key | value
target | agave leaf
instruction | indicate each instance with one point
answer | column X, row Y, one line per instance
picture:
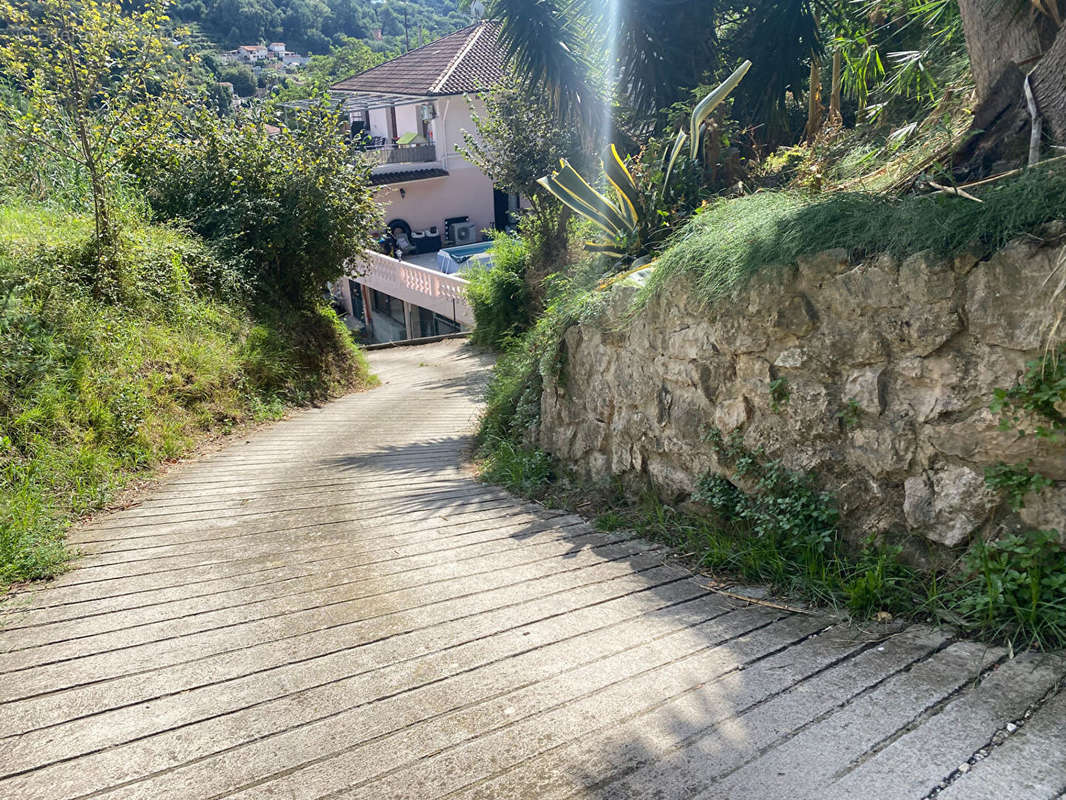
column 579, row 205
column 571, row 180
column 712, row 101
column 625, row 187
column 675, row 152
column 604, row 248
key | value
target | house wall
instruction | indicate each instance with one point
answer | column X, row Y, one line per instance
column 465, row 192
column 379, row 122
column 407, row 120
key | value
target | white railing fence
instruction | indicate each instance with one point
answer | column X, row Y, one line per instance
column 444, row 294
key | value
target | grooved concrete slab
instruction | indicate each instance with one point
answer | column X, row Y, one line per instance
column 335, row 608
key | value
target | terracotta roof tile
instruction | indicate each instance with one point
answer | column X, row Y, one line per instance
column 466, row 61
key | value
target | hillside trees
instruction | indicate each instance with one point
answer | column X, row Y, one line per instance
column 95, row 86
column 314, row 25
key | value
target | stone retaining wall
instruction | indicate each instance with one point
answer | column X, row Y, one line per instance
column 889, row 368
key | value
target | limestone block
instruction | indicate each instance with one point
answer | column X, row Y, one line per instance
column 792, row 358
column 866, row 288
column 1046, row 510
column 926, row 279
column 881, row 451
column 923, row 329
column 1007, row 300
column 918, row 501
column 834, row 262
column 947, row 505
column 734, row 334
column 860, row 344
column 865, row 388
column 796, row 317
column 961, row 504
column 732, row 414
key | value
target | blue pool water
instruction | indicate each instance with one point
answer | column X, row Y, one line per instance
column 464, row 251
column 452, row 260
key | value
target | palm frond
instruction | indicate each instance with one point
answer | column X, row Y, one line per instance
column 544, row 42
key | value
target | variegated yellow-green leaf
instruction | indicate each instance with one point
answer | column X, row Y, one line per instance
column 712, row 101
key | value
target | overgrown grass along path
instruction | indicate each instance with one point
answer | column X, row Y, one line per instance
column 335, row 608
column 112, row 363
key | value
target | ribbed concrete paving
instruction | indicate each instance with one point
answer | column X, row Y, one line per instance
column 333, row 608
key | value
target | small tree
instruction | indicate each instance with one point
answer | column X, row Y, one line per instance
column 517, row 139
column 97, row 85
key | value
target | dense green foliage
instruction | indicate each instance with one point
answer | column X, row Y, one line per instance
column 124, row 343
column 95, row 389
column 499, row 296
column 292, row 208
column 313, row 25
column 732, row 240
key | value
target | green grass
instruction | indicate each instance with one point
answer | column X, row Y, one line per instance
column 111, row 365
column 785, row 534
column 732, row 240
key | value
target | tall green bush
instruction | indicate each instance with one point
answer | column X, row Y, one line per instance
column 96, row 389
column 499, row 295
column 291, row 205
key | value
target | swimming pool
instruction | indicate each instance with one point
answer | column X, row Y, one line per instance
column 464, row 251
column 453, row 259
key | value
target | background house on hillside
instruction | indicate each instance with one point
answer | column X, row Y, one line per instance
column 409, row 114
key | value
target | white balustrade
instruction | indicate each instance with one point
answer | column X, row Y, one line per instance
column 428, row 288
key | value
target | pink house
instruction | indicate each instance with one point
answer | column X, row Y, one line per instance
column 413, row 110
column 409, row 114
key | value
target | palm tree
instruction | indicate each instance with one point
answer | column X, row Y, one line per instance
column 656, row 51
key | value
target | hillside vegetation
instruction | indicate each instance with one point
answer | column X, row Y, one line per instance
column 313, row 25
column 100, row 383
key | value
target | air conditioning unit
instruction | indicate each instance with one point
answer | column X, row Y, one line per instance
column 427, row 112
column 465, row 232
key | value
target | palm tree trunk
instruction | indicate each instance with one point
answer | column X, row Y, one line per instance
column 814, row 99
column 1008, row 40
column 834, row 92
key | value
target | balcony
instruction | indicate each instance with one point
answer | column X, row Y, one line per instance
column 383, row 155
column 427, row 288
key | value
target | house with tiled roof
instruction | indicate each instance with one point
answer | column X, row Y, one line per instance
column 412, row 111
column 408, row 115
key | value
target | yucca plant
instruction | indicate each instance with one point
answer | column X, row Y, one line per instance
column 628, row 223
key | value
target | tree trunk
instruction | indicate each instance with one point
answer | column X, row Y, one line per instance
column 814, row 99
column 835, row 118
column 1007, row 40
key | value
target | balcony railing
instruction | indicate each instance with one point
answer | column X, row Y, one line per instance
column 444, row 294
column 408, row 154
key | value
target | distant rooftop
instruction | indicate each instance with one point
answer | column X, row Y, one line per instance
column 468, row 60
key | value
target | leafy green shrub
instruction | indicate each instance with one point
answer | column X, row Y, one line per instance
column 1015, row 481
column 783, row 506
column 292, row 208
column 499, row 295
column 1017, row 588
column 524, row 471
column 512, row 398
